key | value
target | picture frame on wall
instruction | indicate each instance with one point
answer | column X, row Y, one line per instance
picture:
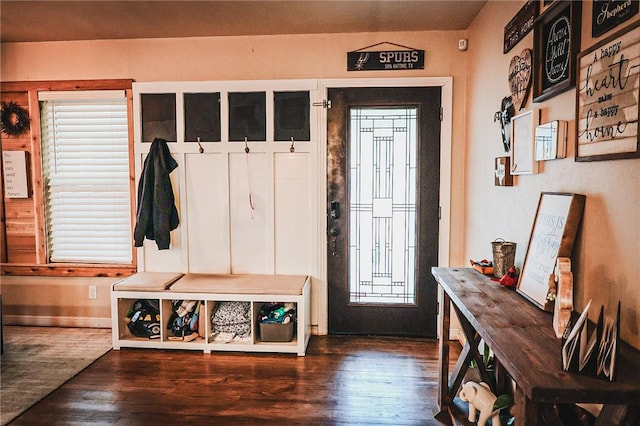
column 551, row 140
column 607, row 98
column 546, row 4
column 523, row 127
column 556, row 43
column 608, row 14
column 553, row 233
column 502, row 172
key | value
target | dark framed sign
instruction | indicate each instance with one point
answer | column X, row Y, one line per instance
column 607, row 98
column 608, row 14
column 520, row 25
column 556, row 42
column 388, row 60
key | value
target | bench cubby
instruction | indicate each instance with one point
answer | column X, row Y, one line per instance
column 211, row 290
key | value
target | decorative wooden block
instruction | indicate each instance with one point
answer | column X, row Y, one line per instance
column 502, row 172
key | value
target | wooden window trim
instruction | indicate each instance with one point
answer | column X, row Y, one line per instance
column 68, row 270
column 42, row 267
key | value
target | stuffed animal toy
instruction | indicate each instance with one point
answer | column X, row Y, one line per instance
column 480, row 398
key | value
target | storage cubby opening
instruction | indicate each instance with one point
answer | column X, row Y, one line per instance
column 139, row 319
column 230, row 322
column 183, row 320
column 276, row 322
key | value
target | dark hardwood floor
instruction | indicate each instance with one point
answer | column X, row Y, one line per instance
column 343, row 380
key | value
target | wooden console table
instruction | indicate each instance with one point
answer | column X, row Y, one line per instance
column 525, row 347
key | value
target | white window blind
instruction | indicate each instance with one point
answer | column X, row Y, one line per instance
column 85, row 161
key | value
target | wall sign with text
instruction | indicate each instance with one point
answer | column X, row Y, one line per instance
column 607, row 98
column 520, row 25
column 385, row 60
column 556, row 45
column 14, row 167
column 553, row 233
column 520, row 70
column 608, row 14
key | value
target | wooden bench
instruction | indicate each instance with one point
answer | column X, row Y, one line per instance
column 526, row 349
column 211, row 289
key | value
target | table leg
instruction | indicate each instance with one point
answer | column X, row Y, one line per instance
column 501, row 377
column 1, row 326
column 444, row 400
column 471, row 354
column 467, row 354
column 524, row 410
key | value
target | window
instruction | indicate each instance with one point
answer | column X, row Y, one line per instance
column 86, row 177
column 383, row 206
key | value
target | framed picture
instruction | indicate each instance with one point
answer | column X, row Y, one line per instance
column 551, row 140
column 556, row 42
column 608, row 14
column 546, row 4
column 523, row 129
column 552, row 235
column 607, row 98
column 502, row 172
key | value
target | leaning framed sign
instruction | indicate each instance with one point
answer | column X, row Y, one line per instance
column 556, row 43
column 607, row 98
column 553, row 233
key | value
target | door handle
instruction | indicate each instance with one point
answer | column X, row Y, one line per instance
column 334, row 232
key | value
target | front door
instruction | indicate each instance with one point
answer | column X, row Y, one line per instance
column 383, row 197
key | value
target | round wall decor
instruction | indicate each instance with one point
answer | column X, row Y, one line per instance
column 14, row 119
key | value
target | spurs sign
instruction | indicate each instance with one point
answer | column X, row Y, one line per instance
column 385, row 60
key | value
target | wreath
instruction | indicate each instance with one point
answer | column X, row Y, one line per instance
column 14, row 119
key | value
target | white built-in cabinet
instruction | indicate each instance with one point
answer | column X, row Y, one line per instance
column 224, row 230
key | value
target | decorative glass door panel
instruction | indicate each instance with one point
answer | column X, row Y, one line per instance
column 382, row 212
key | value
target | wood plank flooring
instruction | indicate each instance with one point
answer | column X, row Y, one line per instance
column 343, row 380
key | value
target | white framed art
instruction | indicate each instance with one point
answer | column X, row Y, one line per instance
column 523, row 127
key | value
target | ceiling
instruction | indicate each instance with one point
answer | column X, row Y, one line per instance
column 35, row 21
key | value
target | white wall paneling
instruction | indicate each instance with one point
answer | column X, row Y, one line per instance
column 219, row 232
column 207, row 222
column 251, row 228
column 293, row 213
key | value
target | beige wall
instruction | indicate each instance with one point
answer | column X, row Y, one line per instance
column 56, row 301
column 606, row 253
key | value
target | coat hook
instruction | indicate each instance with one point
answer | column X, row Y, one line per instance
column 246, row 147
column 292, row 148
column 200, row 148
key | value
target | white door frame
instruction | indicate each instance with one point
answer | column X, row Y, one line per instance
column 320, row 291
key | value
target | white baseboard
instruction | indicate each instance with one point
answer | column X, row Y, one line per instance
column 51, row 321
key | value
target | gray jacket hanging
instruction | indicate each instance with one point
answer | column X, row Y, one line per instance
column 156, row 215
